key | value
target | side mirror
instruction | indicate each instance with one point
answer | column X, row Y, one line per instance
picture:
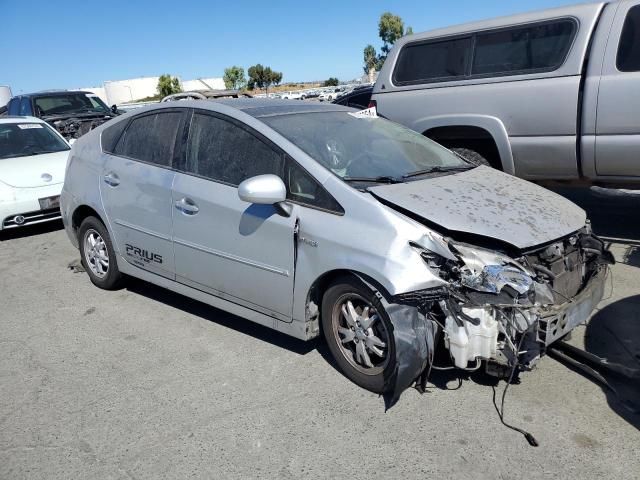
column 263, row 189
column 114, row 108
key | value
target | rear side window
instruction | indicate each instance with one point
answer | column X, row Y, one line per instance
column 628, row 58
column 25, row 107
column 523, row 49
column 224, row 151
column 150, row 138
column 430, row 61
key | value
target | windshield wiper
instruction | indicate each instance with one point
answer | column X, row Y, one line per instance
column 380, row 179
column 438, row 169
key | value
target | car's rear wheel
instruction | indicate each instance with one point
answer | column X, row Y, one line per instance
column 97, row 254
column 358, row 333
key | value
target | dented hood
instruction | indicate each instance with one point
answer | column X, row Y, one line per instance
column 484, row 201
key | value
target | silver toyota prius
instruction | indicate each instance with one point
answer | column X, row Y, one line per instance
column 316, row 219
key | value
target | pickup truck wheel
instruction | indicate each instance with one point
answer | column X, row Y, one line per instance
column 97, row 254
column 471, row 155
column 358, row 333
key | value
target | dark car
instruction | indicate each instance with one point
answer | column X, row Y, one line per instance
column 72, row 113
column 358, row 98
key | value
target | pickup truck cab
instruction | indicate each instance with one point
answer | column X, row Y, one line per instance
column 549, row 95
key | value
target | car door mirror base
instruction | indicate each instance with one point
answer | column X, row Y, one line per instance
column 283, row 208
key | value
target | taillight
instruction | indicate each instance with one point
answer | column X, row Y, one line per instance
column 373, row 104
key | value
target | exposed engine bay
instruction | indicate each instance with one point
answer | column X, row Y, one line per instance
column 503, row 310
column 75, row 127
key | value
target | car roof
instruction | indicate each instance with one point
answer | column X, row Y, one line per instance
column 18, row 119
column 268, row 107
column 52, row 93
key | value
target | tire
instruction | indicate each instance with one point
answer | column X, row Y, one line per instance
column 472, row 156
column 93, row 231
column 378, row 335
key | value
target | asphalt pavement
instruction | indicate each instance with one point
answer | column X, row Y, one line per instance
column 142, row 383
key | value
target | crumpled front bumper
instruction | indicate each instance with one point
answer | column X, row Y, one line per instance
column 556, row 321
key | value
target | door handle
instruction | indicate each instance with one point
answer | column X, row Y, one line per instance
column 187, row 206
column 111, row 179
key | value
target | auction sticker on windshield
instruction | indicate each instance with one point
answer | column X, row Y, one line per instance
column 366, row 113
column 26, row 126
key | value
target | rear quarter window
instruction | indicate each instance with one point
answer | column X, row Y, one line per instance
column 111, row 135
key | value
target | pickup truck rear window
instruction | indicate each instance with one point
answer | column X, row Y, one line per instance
column 628, row 58
column 433, row 61
column 523, row 49
column 537, row 47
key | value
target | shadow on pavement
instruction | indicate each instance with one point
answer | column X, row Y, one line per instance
column 220, row 317
column 31, row 230
column 614, row 333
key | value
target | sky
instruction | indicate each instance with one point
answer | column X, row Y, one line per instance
column 49, row 44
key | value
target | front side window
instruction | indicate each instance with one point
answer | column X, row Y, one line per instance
column 223, row 151
column 522, row 49
column 24, row 139
column 423, row 62
column 304, row 189
column 150, row 138
column 628, row 58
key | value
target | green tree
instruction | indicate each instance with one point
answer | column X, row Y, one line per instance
column 371, row 61
column 331, row 82
column 390, row 29
column 276, row 77
column 168, row 85
column 262, row 77
column 234, row 78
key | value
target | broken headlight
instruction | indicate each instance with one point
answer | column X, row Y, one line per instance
column 491, row 272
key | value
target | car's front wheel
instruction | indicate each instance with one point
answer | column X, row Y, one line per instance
column 97, row 254
column 358, row 333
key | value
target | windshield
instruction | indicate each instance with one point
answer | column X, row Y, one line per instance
column 69, row 103
column 23, row 139
column 365, row 149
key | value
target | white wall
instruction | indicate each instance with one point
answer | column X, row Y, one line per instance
column 214, row 83
column 5, row 95
column 122, row 91
column 99, row 91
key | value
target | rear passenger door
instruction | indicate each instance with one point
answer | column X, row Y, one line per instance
column 135, row 185
column 618, row 113
column 224, row 246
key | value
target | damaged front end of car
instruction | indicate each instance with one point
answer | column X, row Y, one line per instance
column 504, row 310
column 73, row 127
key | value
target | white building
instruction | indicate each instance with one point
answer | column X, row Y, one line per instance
column 125, row 91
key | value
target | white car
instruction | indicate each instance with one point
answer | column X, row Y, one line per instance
column 330, row 95
column 33, row 157
column 293, row 95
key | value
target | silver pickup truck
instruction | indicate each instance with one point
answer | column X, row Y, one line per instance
column 549, row 95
